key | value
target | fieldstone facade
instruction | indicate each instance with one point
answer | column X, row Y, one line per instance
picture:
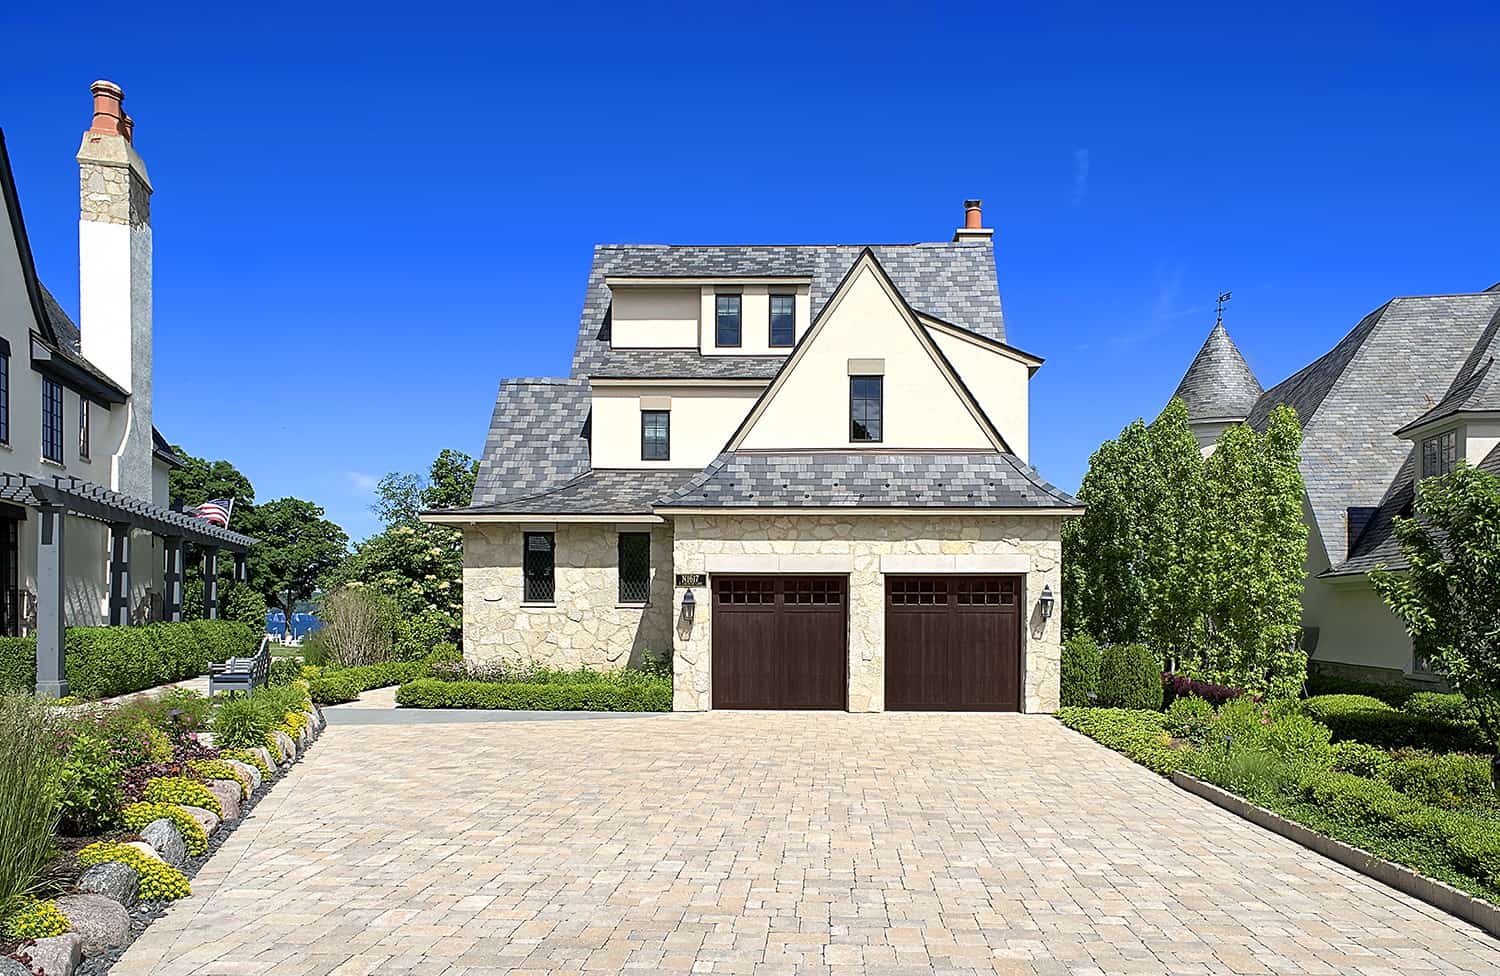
column 586, row 625
column 1033, row 541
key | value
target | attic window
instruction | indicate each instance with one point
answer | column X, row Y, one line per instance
column 866, row 409
column 727, row 320
column 1439, row 454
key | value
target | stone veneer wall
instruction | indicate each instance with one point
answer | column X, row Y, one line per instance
column 864, row 539
column 585, row 626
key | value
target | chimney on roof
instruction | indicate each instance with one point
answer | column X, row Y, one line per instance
column 973, row 228
column 114, row 271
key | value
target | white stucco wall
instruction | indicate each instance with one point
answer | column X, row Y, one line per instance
column 755, row 318
column 702, row 419
column 811, row 407
column 1480, row 437
column 999, row 382
column 654, row 318
column 861, row 542
column 1355, row 627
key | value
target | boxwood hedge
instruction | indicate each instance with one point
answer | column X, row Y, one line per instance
column 101, row 662
column 582, row 696
column 1362, row 718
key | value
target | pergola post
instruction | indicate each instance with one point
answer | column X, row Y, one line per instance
column 241, row 573
column 211, row 583
column 172, row 609
column 119, row 574
column 51, row 677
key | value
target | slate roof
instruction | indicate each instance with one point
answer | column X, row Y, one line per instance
column 538, row 439
column 1219, row 384
column 862, row 479
column 952, row 281
column 598, row 492
column 1395, row 365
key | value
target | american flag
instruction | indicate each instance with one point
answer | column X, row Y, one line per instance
column 215, row 510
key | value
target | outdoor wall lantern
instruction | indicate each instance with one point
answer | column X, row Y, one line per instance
column 689, row 603
column 1047, row 602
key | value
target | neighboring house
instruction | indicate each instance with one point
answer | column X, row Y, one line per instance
column 800, row 469
column 86, row 533
column 1410, row 391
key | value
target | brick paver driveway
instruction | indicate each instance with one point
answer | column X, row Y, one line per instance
column 760, row 843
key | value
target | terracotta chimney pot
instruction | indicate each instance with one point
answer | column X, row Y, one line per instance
column 973, row 214
column 109, row 117
column 127, row 128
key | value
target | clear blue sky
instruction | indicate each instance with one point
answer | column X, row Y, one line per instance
column 364, row 219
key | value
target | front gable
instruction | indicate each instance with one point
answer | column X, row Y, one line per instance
column 867, row 328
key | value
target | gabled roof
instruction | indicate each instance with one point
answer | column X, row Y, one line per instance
column 606, row 492
column 538, row 439
column 864, row 479
column 952, row 281
column 1219, row 385
column 1398, row 362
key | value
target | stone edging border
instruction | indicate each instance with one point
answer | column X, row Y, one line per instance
column 1461, row 905
column 63, row 955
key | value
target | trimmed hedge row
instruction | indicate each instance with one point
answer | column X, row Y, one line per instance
column 101, row 662
column 1138, row 733
column 335, row 686
column 1370, row 720
column 582, row 696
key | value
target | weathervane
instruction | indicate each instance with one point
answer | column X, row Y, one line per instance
column 1224, row 297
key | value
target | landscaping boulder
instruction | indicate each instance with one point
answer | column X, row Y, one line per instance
column 248, row 771
column 288, row 747
column 101, row 922
column 315, row 719
column 207, row 819
column 146, row 848
column 206, row 738
column 113, row 880
column 166, row 840
column 227, row 792
column 265, row 757
column 58, row 955
column 13, row 967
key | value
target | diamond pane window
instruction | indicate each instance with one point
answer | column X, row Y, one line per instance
column 635, row 567
column 865, row 408
column 538, row 566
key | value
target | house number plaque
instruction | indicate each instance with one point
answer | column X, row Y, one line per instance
column 691, row 579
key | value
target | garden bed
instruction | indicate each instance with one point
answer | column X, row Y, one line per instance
column 453, row 685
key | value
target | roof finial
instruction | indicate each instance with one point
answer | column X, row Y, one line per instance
column 1224, row 297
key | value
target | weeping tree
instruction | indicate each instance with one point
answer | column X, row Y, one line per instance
column 1449, row 599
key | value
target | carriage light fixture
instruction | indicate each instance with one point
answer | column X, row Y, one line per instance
column 689, row 602
column 1047, row 602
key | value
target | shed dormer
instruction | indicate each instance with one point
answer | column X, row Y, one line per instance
column 1465, row 424
column 731, row 316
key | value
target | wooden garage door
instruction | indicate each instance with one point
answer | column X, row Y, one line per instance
column 953, row 642
column 779, row 641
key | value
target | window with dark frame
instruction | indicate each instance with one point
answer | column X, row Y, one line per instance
column 783, row 321
column 1439, row 454
column 83, row 428
column 539, row 567
column 52, row 420
column 727, row 320
column 635, row 567
column 865, row 411
column 5, row 399
column 656, row 435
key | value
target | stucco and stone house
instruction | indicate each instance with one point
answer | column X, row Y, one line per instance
column 1405, row 395
column 800, row 469
column 87, row 534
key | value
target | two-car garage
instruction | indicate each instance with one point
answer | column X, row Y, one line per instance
column 951, row 642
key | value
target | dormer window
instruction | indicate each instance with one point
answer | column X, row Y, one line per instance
column 783, row 321
column 727, row 321
column 1439, row 454
column 865, row 408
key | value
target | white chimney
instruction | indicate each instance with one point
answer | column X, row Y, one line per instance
column 114, row 269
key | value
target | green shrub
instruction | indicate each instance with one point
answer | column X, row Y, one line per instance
column 358, row 624
column 1139, row 734
column 241, row 723
column 89, row 785
column 242, row 604
column 159, row 881
column 137, row 815
column 1080, row 670
column 29, row 800
column 183, row 791
column 35, row 919
column 181, row 651
column 1393, row 695
column 1450, row 781
column 1360, row 759
column 1443, row 707
column 1130, row 677
column 315, row 648
column 596, row 696
column 285, row 670
column 334, row 686
column 1367, row 719
column 102, row 662
column 417, row 634
column 17, row 664
column 1190, row 717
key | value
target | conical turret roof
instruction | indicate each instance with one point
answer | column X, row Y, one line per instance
column 1219, row 384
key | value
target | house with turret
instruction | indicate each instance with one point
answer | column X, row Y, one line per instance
column 1409, row 392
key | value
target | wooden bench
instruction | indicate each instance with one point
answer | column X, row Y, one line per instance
column 241, row 673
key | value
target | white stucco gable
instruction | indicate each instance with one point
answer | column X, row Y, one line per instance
column 867, row 328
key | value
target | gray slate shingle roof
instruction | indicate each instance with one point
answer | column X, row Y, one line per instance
column 596, row 493
column 868, row 480
column 953, row 281
column 1219, row 384
column 538, row 439
column 1397, row 363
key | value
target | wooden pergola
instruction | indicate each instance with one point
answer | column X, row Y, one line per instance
column 58, row 496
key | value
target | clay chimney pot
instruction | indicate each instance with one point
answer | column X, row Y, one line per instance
column 973, row 214
column 108, row 115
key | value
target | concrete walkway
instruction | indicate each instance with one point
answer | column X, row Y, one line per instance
column 769, row 843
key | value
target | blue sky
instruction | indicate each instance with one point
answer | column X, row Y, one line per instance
column 364, row 219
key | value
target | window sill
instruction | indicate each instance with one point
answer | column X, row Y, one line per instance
column 54, row 464
column 632, row 606
column 525, row 605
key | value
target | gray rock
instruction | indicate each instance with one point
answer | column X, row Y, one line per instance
column 206, row 738
column 113, row 879
column 166, row 841
column 288, row 747
column 58, row 955
column 146, row 849
column 227, row 792
column 315, row 719
column 265, row 757
column 248, row 771
column 13, row 967
column 207, row 819
column 101, row 922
